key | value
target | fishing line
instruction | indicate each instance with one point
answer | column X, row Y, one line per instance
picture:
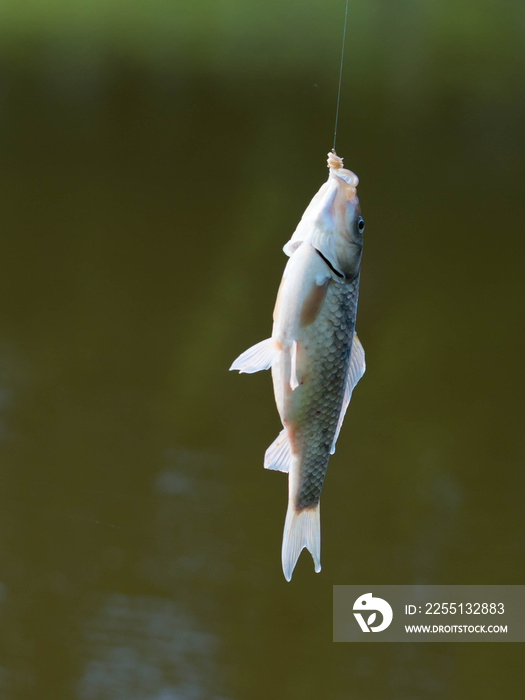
column 340, row 77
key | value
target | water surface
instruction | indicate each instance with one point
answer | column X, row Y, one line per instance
column 145, row 203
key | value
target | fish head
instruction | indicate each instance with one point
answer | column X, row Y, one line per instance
column 345, row 220
column 332, row 222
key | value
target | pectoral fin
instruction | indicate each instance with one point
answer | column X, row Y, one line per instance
column 294, row 382
column 356, row 370
column 256, row 358
column 314, row 300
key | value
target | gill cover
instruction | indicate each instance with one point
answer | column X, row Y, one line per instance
column 329, row 223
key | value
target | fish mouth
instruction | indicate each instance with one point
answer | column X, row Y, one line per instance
column 335, row 163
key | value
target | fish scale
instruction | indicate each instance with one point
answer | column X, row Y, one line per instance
column 322, row 397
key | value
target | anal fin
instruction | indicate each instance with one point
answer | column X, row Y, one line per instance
column 279, row 455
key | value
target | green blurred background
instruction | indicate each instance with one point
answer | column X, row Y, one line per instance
column 155, row 158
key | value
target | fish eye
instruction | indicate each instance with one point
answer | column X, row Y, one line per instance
column 360, row 224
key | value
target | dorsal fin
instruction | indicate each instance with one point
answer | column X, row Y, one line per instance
column 356, row 369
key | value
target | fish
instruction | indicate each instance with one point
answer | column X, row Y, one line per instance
column 315, row 356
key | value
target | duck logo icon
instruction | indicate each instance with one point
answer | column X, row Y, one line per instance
column 373, row 605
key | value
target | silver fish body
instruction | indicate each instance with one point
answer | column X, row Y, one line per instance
column 311, row 410
column 314, row 354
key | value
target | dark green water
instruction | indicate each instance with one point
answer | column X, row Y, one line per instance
column 144, row 208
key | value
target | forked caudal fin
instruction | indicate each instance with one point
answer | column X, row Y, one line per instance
column 301, row 529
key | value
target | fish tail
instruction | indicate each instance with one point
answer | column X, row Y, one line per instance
column 302, row 528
